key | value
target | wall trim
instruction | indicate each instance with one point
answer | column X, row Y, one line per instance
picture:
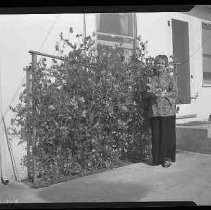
column 186, row 116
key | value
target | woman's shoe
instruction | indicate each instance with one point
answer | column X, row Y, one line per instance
column 166, row 163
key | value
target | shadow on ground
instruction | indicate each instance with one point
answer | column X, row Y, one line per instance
column 99, row 191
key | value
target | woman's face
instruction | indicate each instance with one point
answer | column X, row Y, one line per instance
column 160, row 65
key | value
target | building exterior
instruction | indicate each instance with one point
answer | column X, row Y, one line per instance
column 186, row 35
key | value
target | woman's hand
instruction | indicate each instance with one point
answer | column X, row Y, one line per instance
column 156, row 91
column 161, row 94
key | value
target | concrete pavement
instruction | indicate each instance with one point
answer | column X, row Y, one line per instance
column 16, row 192
column 189, row 179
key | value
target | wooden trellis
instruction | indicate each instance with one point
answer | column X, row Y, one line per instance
column 30, row 90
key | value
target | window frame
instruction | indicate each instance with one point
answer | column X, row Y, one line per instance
column 206, row 23
column 113, row 43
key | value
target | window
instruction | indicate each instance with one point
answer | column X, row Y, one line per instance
column 206, row 45
column 115, row 28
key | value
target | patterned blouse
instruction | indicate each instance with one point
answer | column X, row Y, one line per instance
column 162, row 105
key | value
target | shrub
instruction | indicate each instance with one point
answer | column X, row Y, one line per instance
column 90, row 114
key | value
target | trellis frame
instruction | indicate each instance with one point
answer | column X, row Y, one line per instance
column 30, row 89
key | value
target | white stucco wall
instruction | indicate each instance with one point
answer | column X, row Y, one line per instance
column 203, row 103
column 153, row 27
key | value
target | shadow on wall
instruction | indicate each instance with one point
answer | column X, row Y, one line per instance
column 18, row 152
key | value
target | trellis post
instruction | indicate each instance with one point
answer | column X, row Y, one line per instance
column 30, row 92
column 34, row 68
column 28, row 105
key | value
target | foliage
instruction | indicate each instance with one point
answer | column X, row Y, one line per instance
column 89, row 114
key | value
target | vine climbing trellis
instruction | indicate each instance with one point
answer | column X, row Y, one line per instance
column 31, row 137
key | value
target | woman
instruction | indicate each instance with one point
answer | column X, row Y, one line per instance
column 161, row 94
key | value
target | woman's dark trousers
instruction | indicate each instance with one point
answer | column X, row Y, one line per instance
column 163, row 139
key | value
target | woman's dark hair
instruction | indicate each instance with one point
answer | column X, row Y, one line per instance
column 163, row 57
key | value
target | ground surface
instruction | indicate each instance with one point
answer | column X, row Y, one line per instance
column 18, row 193
column 189, row 179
